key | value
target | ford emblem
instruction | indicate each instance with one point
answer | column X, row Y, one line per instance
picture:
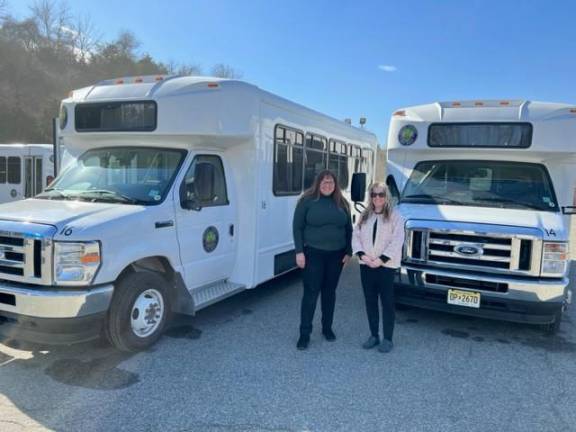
column 468, row 250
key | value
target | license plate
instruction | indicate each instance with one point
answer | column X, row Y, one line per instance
column 464, row 298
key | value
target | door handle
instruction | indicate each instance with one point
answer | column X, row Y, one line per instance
column 231, row 230
column 164, row 224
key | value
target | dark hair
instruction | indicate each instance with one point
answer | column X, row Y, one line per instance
column 314, row 190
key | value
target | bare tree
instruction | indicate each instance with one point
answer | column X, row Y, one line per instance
column 86, row 38
column 222, row 70
column 127, row 43
column 189, row 69
column 53, row 21
column 171, row 67
column 3, row 10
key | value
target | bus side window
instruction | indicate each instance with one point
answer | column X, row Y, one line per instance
column 2, row 169
column 315, row 157
column 14, row 170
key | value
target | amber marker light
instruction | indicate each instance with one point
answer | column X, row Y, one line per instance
column 92, row 258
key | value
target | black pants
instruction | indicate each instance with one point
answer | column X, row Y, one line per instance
column 320, row 275
column 376, row 283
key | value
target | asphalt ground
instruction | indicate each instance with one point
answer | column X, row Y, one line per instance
column 234, row 367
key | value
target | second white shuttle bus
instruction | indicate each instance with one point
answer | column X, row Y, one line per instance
column 486, row 187
column 25, row 170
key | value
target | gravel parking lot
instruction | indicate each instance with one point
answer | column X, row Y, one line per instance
column 234, row 367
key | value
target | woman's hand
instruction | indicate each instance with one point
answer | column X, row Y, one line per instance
column 367, row 259
column 377, row 262
column 301, row 260
column 346, row 259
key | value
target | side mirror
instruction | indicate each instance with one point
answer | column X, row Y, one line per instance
column 191, row 204
column 393, row 188
column 187, row 199
column 358, row 188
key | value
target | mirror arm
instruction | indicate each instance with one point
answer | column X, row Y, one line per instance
column 359, row 207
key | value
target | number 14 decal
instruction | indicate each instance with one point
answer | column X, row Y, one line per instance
column 550, row 232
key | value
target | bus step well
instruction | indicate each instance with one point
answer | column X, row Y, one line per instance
column 211, row 293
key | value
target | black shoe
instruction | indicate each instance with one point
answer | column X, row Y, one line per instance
column 371, row 342
column 303, row 342
column 386, row 346
column 329, row 335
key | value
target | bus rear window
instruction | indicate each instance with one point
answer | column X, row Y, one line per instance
column 116, row 117
column 494, row 135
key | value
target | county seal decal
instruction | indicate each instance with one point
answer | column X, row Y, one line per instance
column 407, row 135
column 210, row 239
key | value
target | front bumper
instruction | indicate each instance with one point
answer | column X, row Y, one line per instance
column 532, row 301
column 52, row 315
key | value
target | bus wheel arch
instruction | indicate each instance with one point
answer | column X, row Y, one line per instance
column 141, row 306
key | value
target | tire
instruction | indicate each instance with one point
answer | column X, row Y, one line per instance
column 139, row 312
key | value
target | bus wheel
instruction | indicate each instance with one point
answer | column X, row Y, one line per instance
column 139, row 311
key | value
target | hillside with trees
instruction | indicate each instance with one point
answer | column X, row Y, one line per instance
column 52, row 51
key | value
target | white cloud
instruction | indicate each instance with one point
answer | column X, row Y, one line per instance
column 388, row 68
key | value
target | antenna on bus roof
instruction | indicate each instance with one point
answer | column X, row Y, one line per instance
column 362, row 121
column 348, row 121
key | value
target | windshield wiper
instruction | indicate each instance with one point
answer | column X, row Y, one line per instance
column 47, row 194
column 105, row 194
column 428, row 197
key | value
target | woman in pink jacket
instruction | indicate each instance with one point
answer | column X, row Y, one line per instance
column 377, row 241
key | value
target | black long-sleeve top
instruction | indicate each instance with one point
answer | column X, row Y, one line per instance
column 321, row 224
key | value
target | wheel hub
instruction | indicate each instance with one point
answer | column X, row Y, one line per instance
column 147, row 313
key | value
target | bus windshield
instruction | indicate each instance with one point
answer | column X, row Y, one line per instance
column 481, row 183
column 129, row 175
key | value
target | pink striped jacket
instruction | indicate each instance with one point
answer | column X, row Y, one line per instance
column 389, row 238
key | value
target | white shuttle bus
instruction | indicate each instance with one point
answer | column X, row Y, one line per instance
column 176, row 192
column 486, row 187
column 25, row 170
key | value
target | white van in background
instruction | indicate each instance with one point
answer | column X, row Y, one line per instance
column 176, row 192
column 25, row 170
column 486, row 190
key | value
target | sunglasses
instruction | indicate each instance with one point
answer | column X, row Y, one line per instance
column 378, row 194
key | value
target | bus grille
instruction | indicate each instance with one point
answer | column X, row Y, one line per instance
column 22, row 260
column 491, row 253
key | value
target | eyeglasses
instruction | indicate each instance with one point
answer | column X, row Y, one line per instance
column 378, row 194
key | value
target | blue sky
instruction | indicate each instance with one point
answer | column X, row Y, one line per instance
column 353, row 59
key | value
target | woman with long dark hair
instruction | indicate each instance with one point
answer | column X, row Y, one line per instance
column 377, row 241
column 322, row 235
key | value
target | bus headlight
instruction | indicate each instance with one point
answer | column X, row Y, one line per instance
column 554, row 259
column 76, row 263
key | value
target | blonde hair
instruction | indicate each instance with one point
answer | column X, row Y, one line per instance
column 369, row 211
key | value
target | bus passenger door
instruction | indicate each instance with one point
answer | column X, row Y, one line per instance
column 33, row 167
column 206, row 222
